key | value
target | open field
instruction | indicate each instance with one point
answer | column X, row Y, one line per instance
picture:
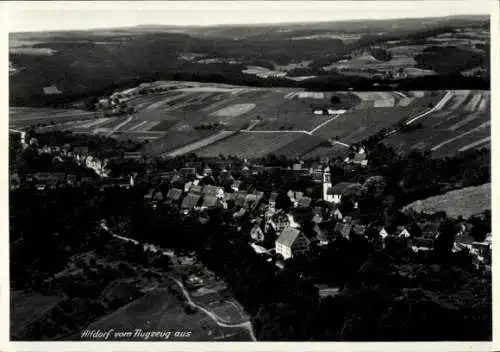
column 462, row 123
column 191, row 117
column 161, row 310
column 26, row 307
column 464, row 202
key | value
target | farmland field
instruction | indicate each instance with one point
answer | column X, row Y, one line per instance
column 453, row 121
column 463, row 202
column 249, row 145
column 23, row 117
column 462, row 123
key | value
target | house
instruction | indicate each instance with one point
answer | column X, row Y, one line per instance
column 149, row 196
column 294, row 196
column 292, row 242
column 317, row 219
column 337, row 214
column 319, row 235
column 396, row 231
column 304, row 202
column 359, row 229
column 256, row 233
column 236, row 185
column 327, row 291
column 359, row 158
column 195, row 188
column 343, row 228
column 187, row 171
column 190, row 201
column 239, row 214
column 340, row 189
column 281, row 220
column 251, row 202
column 209, row 202
column 240, row 198
column 214, row 191
column 429, row 229
column 272, row 200
column 207, row 171
column 174, row 195
column 395, row 241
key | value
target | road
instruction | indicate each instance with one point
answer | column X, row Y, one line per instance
column 322, row 124
column 438, row 106
column 219, row 321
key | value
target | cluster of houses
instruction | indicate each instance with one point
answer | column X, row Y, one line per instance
column 282, row 233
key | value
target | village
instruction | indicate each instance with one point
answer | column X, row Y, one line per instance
column 279, row 225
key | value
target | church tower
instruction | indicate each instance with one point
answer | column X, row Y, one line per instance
column 327, row 184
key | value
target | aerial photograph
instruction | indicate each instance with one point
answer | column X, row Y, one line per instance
column 238, row 171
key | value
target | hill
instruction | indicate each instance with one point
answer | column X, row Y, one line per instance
column 81, row 64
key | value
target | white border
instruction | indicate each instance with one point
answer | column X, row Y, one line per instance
column 228, row 346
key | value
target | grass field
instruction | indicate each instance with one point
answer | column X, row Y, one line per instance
column 463, row 202
column 161, row 310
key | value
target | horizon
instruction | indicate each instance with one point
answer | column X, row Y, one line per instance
column 83, row 16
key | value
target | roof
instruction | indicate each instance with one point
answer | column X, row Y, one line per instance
column 343, row 228
column 188, row 171
column 288, row 236
column 429, row 229
column 273, row 196
column 158, row 196
column 209, row 201
column 174, row 194
column 251, row 201
column 304, row 202
column 344, row 187
column 240, row 198
column 359, row 157
column 211, row 190
column 236, row 183
column 195, row 189
column 190, row 201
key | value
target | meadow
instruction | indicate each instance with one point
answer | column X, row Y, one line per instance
column 464, row 202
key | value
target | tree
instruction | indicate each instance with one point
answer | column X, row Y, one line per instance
column 283, row 201
column 335, row 100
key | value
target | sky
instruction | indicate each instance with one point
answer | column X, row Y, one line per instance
column 75, row 15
